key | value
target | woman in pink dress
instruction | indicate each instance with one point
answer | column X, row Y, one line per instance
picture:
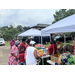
column 12, row 42
column 14, row 54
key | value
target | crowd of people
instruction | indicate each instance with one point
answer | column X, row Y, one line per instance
column 67, row 57
column 25, row 53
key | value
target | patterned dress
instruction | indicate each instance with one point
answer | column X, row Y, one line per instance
column 12, row 43
column 11, row 59
column 67, row 59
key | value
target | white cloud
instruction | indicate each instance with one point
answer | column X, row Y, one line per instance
column 26, row 17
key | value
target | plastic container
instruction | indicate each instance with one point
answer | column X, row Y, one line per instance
column 56, row 63
column 46, row 52
column 43, row 48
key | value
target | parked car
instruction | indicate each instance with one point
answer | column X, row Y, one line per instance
column 2, row 42
column 45, row 39
column 61, row 38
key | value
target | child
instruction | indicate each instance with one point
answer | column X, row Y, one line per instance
column 21, row 58
column 74, row 46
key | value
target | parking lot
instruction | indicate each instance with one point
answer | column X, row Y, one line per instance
column 4, row 53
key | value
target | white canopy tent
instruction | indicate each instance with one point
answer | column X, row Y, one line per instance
column 32, row 32
column 65, row 25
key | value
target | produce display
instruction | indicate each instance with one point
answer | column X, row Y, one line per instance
column 39, row 45
column 55, row 57
column 40, row 52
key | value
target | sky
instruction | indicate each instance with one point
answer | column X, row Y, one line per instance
column 26, row 17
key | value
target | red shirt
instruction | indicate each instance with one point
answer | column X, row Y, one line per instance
column 21, row 57
column 74, row 49
column 51, row 48
column 22, row 46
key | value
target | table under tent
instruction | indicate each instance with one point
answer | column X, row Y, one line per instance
column 63, row 26
column 34, row 32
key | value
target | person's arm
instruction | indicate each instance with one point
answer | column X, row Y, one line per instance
column 14, row 56
column 59, row 60
column 36, row 54
column 54, row 48
column 53, row 52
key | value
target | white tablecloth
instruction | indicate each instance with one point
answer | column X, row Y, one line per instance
column 45, row 56
column 50, row 62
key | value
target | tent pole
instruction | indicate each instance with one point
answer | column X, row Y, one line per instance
column 64, row 39
column 42, row 50
column 22, row 37
column 50, row 37
column 39, row 39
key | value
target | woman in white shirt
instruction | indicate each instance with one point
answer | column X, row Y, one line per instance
column 31, row 57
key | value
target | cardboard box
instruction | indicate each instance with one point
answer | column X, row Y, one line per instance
column 55, row 58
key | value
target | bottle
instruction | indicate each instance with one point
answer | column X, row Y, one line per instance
column 43, row 48
column 46, row 51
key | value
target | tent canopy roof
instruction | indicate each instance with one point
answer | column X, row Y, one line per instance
column 61, row 26
column 32, row 32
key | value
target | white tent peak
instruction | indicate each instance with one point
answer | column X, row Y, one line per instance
column 68, row 21
column 32, row 32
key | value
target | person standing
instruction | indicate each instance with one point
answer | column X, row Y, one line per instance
column 21, row 58
column 52, row 48
column 22, row 45
column 14, row 54
column 67, row 57
column 12, row 42
column 31, row 54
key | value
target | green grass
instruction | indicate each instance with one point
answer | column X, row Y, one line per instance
column 7, row 43
column 71, row 43
column 47, row 45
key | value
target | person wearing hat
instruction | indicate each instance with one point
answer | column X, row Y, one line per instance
column 14, row 54
column 31, row 54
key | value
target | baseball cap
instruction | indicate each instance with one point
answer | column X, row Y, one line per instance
column 32, row 42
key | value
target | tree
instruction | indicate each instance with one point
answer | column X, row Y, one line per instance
column 9, row 34
column 26, row 28
column 1, row 33
column 62, row 13
column 20, row 28
column 10, row 27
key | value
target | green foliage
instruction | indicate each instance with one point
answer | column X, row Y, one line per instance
column 20, row 28
column 8, row 33
column 62, row 13
column 26, row 28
